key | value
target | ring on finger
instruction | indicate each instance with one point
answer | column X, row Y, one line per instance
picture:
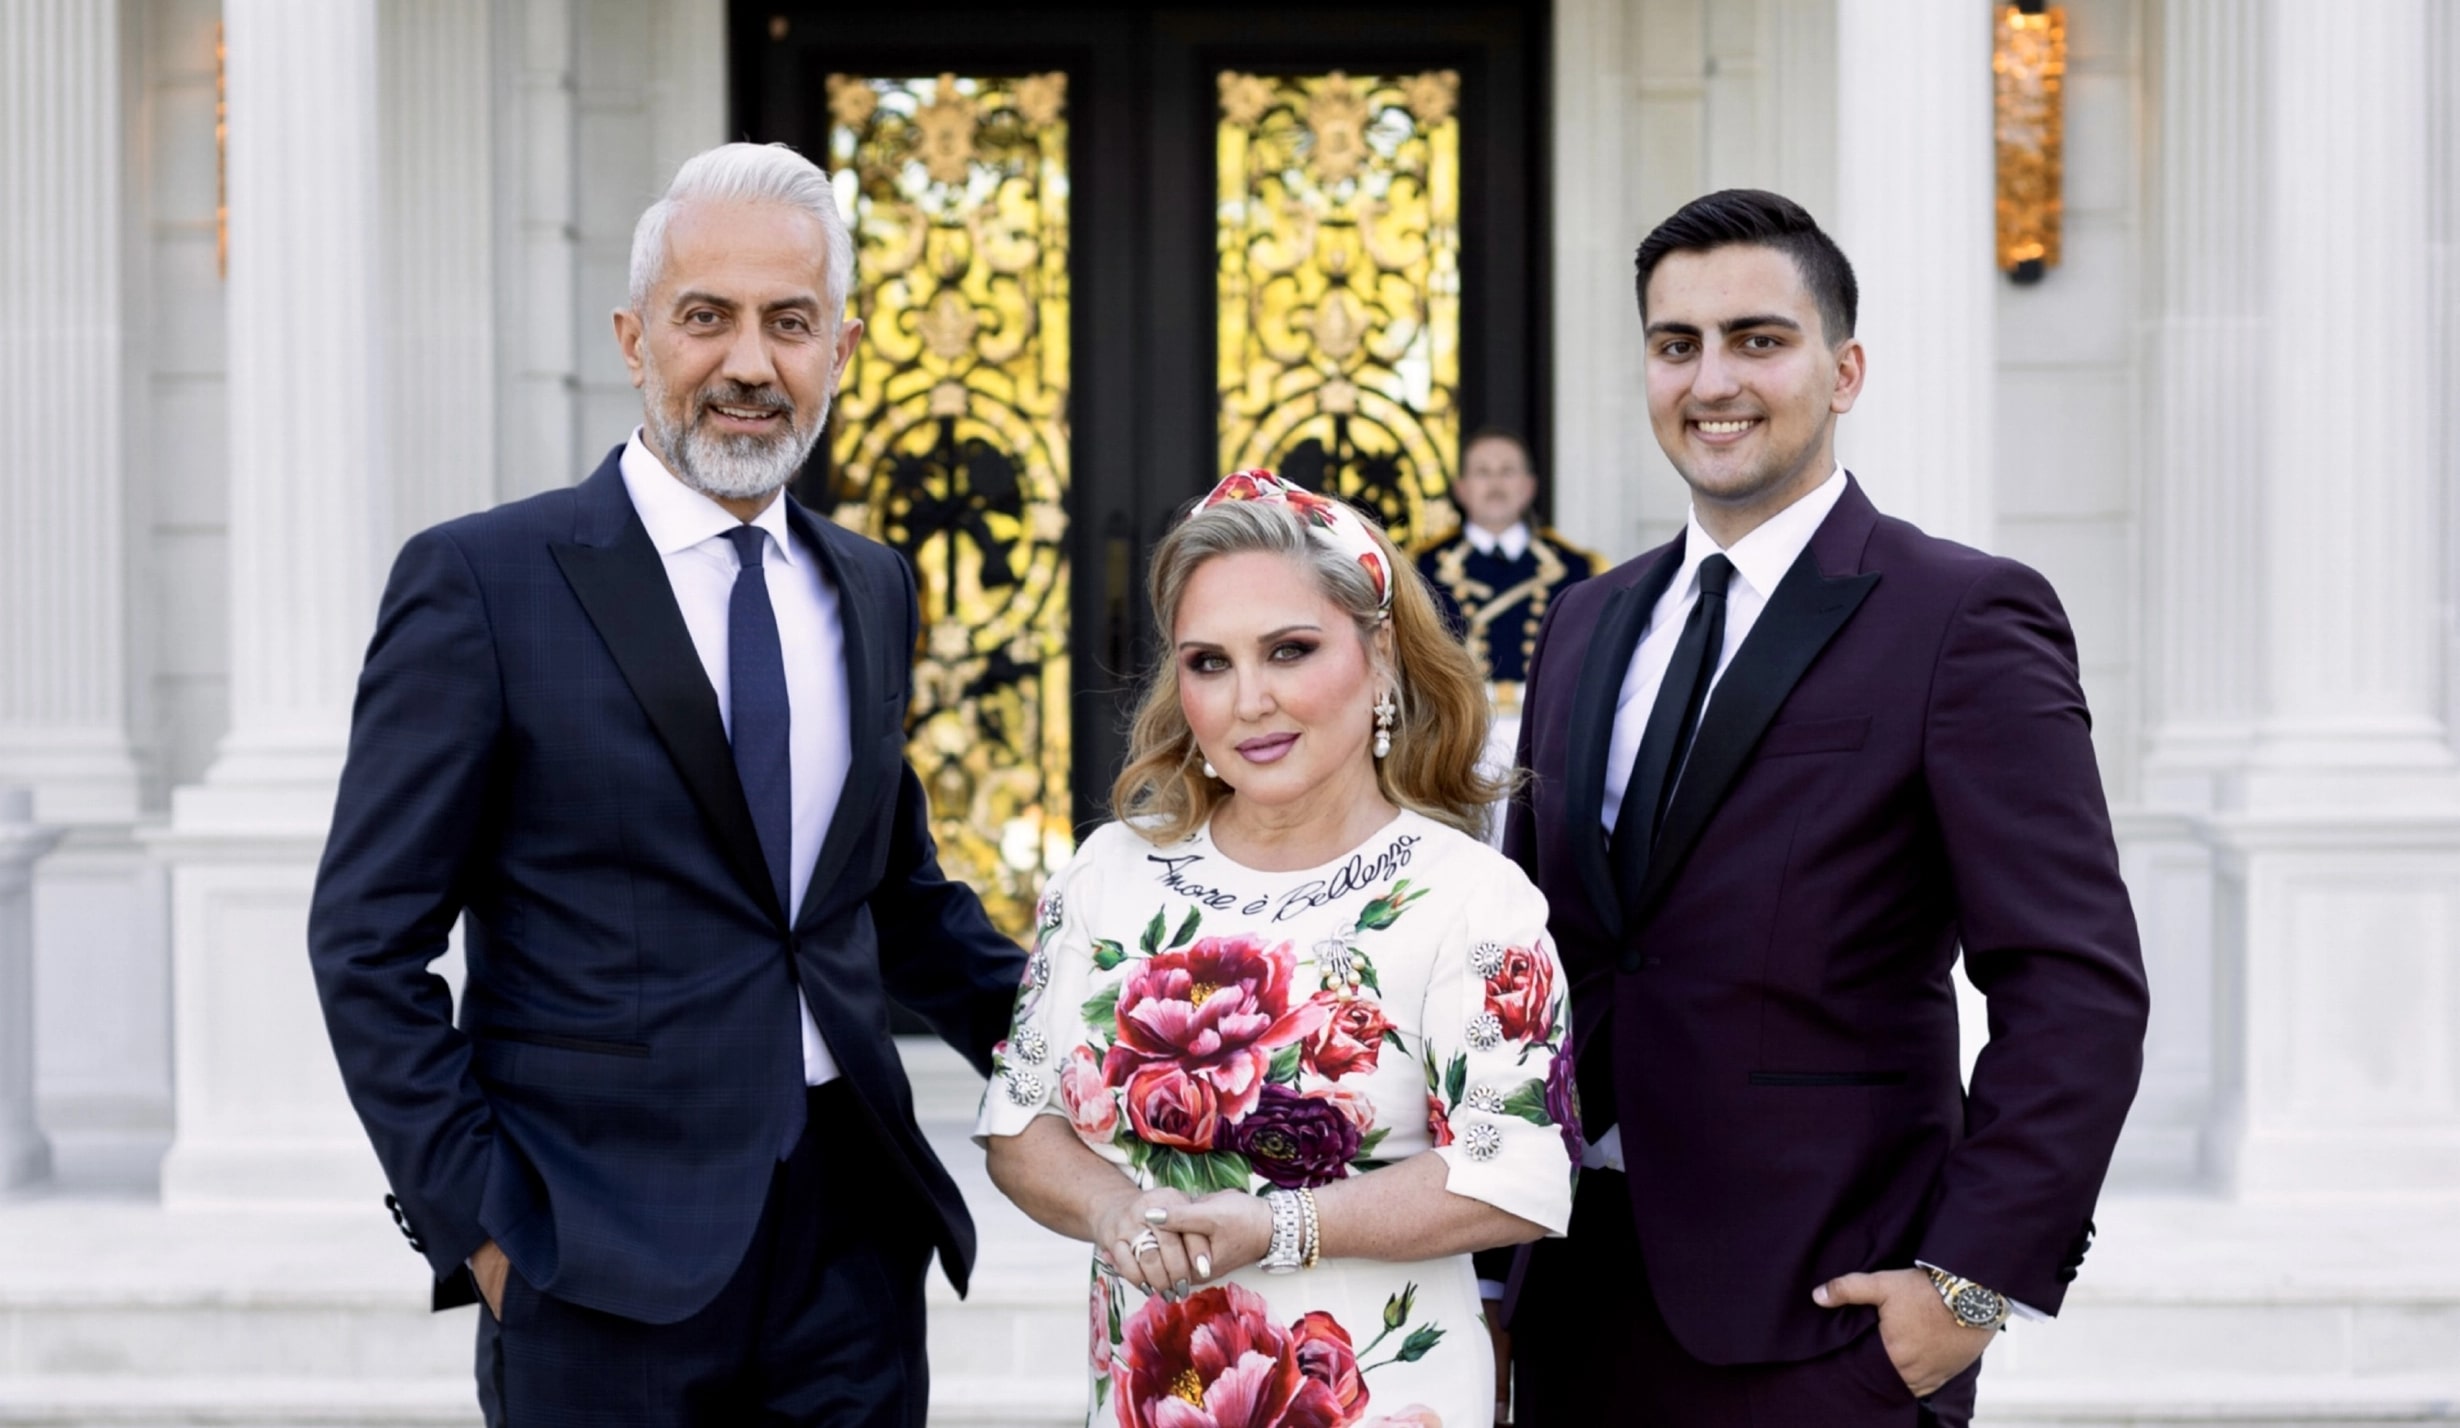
column 1146, row 1243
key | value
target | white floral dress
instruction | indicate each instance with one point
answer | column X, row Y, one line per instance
column 1207, row 1026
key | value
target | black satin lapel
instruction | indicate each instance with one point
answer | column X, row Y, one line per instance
column 865, row 633
column 1603, row 665
column 1592, row 730
column 1802, row 616
column 624, row 589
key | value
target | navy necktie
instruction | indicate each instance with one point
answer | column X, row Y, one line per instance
column 756, row 680
column 756, row 685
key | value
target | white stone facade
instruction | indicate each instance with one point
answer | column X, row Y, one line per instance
column 2225, row 428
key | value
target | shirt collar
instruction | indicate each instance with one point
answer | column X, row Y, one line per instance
column 1513, row 542
column 1762, row 557
column 678, row 517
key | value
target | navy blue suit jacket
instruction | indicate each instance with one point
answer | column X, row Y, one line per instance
column 1895, row 764
column 536, row 750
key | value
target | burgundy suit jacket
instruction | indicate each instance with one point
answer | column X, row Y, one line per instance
column 1897, row 761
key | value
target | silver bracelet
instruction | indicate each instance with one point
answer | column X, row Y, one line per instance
column 1288, row 1250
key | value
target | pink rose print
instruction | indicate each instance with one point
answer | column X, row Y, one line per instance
column 1091, row 1107
column 1374, row 562
column 1438, row 1120
column 1243, row 486
column 1216, row 1009
column 1100, row 1302
column 1169, row 1107
column 1521, row 994
column 1356, row 1105
column 1312, row 508
column 1325, row 1355
column 1350, row 1038
column 1216, row 1361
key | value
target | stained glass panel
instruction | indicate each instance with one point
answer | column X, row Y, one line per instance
column 1338, row 234
column 951, row 443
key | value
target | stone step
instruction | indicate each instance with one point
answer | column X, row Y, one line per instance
column 2219, row 1402
column 247, row 1401
column 114, row 1311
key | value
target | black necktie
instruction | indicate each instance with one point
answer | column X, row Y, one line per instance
column 1673, row 720
column 761, row 719
column 756, row 680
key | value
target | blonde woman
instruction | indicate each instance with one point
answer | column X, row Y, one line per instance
column 1291, row 963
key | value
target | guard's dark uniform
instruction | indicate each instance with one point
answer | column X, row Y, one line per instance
column 1494, row 602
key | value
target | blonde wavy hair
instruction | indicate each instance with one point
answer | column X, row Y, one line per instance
column 1439, row 731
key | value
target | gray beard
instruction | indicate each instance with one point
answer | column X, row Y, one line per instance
column 735, row 468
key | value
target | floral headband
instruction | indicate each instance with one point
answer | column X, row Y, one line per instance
column 1326, row 519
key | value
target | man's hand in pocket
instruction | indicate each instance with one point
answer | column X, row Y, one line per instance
column 488, row 1267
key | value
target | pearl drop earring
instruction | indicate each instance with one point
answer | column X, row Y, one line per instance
column 1210, row 771
column 1383, row 722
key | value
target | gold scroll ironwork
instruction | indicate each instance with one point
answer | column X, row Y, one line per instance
column 951, row 443
column 1338, row 242
column 2029, row 67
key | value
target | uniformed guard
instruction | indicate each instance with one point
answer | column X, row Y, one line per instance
column 1496, row 573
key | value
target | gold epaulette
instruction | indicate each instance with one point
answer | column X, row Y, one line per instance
column 1425, row 545
column 1597, row 563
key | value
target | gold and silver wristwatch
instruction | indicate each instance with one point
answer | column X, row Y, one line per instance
column 1973, row 1306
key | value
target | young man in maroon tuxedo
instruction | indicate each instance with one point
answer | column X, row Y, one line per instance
column 1783, row 768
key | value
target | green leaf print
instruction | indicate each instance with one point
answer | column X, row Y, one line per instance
column 1528, row 1101
column 1151, row 942
column 1108, row 954
column 1101, row 1010
column 1419, row 1344
column 1187, row 927
column 1387, row 909
column 1456, row 1078
column 1368, row 1142
column 1197, row 1174
column 1285, row 1068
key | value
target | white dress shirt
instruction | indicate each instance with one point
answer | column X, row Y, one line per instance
column 689, row 531
column 1760, row 561
column 1513, row 542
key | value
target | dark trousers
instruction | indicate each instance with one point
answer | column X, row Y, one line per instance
column 821, row 1324
column 1590, row 1345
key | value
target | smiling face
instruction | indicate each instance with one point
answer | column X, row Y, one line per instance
column 734, row 351
column 1276, row 683
column 1743, row 386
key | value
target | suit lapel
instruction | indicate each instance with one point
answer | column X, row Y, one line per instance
column 1803, row 615
column 1591, row 736
column 866, row 637
column 621, row 583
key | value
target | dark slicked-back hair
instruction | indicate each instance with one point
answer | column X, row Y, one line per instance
column 1768, row 220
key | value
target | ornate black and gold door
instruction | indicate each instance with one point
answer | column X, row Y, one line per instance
column 1105, row 254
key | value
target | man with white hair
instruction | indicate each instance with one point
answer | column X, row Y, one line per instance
column 643, row 737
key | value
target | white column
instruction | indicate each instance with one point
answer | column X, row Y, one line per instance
column 1915, row 215
column 2342, row 853
column 439, row 179
column 25, row 1156
column 2351, row 508
column 2203, row 619
column 260, row 1106
column 63, row 407
column 2205, row 412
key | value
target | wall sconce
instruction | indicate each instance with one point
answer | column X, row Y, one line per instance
column 2029, row 68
